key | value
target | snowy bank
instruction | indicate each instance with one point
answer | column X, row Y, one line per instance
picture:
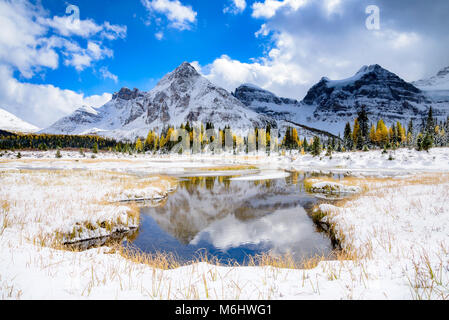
column 330, row 187
column 395, row 236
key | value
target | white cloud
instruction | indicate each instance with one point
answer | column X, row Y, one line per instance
column 26, row 44
column 269, row 8
column 83, row 58
column 196, row 65
column 263, row 31
column 31, row 43
column 271, row 73
column 67, row 26
column 181, row 17
column 329, row 38
column 159, row 35
column 22, row 41
column 113, row 31
column 235, row 6
column 106, row 74
column 41, row 105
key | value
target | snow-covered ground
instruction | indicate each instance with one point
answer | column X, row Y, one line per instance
column 372, row 162
column 396, row 231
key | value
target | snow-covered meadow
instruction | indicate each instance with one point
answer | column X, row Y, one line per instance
column 395, row 232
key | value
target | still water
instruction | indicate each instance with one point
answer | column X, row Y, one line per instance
column 231, row 219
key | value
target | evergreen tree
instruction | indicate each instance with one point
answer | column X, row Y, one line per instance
column 428, row 141
column 347, row 137
column 364, row 124
column 329, row 150
column 305, row 145
column 410, row 127
column 316, row 146
column 95, row 148
column 419, row 142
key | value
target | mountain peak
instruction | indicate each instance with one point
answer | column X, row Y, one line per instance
column 182, row 75
column 252, row 86
column 186, row 70
column 382, row 91
column 126, row 94
column 371, row 68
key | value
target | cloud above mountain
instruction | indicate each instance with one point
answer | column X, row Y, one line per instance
column 32, row 42
column 179, row 16
column 310, row 39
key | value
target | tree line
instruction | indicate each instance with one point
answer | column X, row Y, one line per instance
column 362, row 135
column 44, row 142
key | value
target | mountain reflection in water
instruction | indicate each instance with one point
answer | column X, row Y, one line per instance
column 233, row 219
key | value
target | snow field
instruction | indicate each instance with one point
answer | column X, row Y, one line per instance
column 395, row 233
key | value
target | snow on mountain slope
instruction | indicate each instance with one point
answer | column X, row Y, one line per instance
column 182, row 95
column 329, row 104
column 436, row 87
column 185, row 95
column 438, row 82
column 384, row 94
column 109, row 120
column 283, row 110
column 10, row 122
column 266, row 102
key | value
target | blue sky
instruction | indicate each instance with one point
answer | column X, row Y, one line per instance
column 140, row 59
column 50, row 64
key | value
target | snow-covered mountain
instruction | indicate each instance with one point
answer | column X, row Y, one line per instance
column 10, row 122
column 436, row 87
column 440, row 81
column 266, row 102
column 284, row 110
column 329, row 104
column 385, row 95
column 182, row 95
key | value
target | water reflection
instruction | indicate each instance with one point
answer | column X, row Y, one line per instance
column 233, row 219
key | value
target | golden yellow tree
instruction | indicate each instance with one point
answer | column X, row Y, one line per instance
column 372, row 135
column 295, row 137
column 139, row 145
column 382, row 132
column 356, row 130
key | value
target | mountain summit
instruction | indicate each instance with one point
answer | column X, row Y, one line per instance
column 180, row 96
column 329, row 104
column 385, row 95
column 185, row 95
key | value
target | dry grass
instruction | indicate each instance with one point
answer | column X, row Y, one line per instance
column 374, row 187
column 428, row 277
column 4, row 212
column 39, row 198
column 375, row 183
column 286, row 261
column 230, row 168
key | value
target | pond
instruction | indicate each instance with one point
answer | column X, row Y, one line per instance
column 231, row 219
